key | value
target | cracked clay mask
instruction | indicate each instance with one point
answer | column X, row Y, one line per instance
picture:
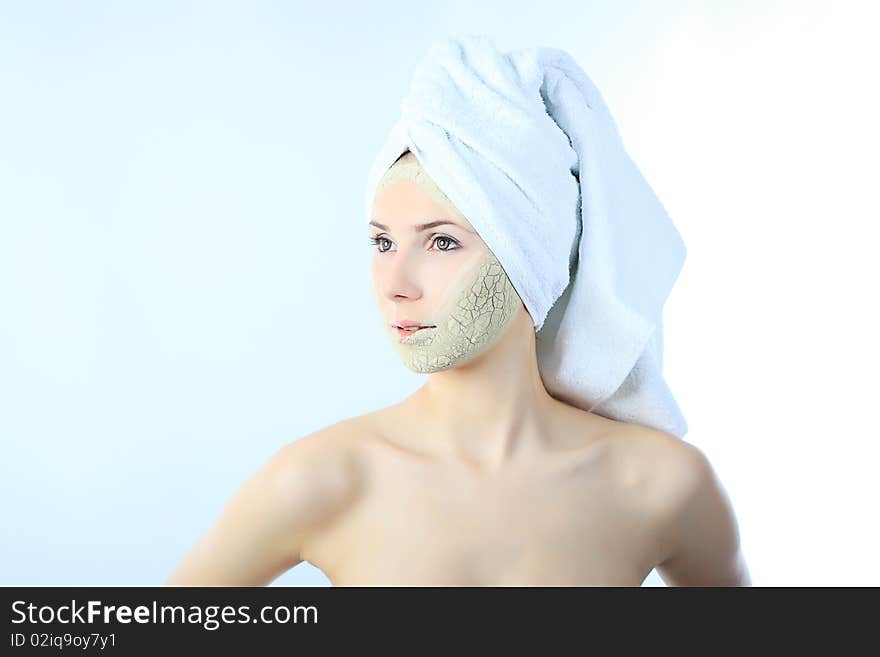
column 477, row 306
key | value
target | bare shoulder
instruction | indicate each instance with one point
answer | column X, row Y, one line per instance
column 670, row 466
column 698, row 540
column 659, row 470
column 320, row 473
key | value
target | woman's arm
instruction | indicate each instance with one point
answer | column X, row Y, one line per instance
column 260, row 533
column 702, row 537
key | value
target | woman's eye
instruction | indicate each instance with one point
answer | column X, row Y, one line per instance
column 445, row 240
column 378, row 240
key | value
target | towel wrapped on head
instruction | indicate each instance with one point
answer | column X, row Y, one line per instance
column 524, row 146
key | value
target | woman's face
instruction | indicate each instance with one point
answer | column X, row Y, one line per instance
column 431, row 267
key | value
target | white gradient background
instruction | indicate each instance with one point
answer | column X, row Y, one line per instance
column 183, row 254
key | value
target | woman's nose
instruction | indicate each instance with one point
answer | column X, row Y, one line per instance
column 401, row 278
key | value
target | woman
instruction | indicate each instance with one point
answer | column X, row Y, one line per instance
column 482, row 476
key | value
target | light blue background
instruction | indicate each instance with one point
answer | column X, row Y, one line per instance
column 184, row 281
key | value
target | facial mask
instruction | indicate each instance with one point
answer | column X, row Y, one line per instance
column 478, row 307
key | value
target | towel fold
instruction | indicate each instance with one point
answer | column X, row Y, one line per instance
column 524, row 146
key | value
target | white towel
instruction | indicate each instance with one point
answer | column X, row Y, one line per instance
column 524, row 146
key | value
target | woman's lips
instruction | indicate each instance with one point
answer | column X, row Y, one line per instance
column 404, row 333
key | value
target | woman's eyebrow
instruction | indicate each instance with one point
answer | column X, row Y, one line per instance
column 420, row 227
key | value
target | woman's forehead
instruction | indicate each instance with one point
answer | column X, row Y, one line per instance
column 407, row 196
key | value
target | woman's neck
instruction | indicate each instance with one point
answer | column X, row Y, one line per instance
column 491, row 410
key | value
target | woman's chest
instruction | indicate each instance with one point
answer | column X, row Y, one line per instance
column 443, row 531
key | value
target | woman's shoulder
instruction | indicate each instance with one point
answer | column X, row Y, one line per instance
column 322, row 469
column 658, row 467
